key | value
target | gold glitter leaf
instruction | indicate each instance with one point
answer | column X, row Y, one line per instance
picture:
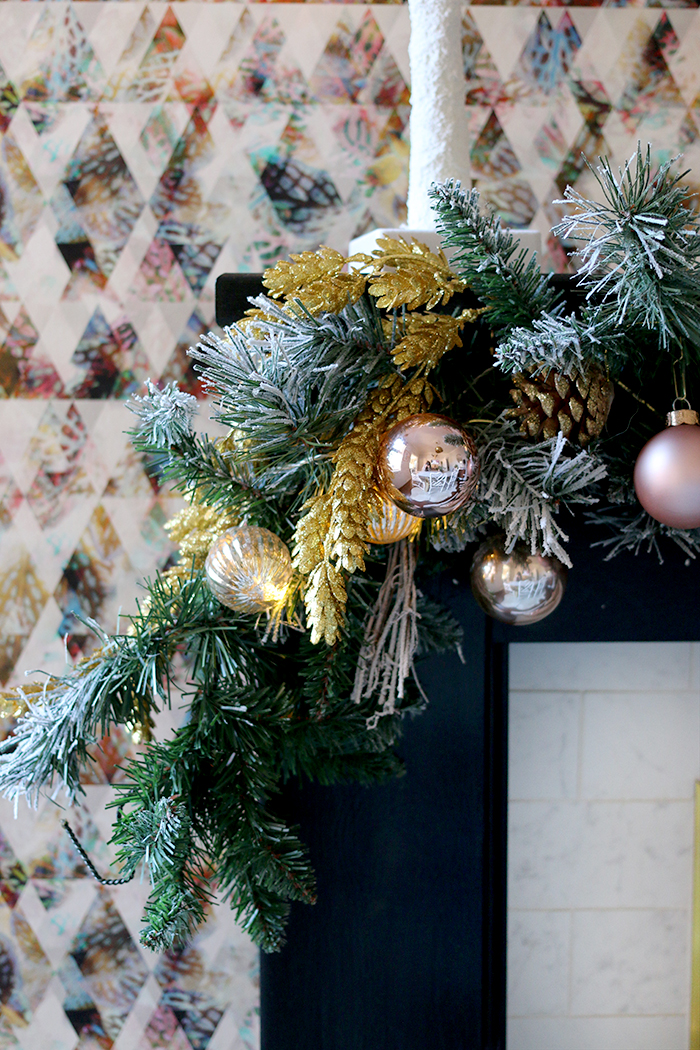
column 311, row 533
column 195, row 528
column 331, row 537
column 326, row 598
column 429, row 337
column 411, row 275
column 318, row 280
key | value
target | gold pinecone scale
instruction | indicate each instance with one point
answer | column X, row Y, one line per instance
column 578, row 406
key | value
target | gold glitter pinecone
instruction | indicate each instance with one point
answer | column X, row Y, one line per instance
column 552, row 402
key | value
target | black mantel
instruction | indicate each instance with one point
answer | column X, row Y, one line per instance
column 405, row 949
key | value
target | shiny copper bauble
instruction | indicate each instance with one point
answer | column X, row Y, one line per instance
column 667, row 474
column 249, row 569
column 389, row 524
column 428, row 465
column 517, row 588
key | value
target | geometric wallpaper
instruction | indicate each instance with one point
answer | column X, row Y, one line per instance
column 545, row 85
column 146, row 148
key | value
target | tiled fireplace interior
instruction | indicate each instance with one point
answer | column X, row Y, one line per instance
column 604, row 754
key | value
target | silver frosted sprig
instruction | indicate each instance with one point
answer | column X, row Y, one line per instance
column 165, row 416
column 523, row 486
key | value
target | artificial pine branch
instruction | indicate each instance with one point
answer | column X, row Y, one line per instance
column 159, row 836
column 294, row 385
column 521, row 488
column 165, row 416
column 488, row 259
column 523, row 485
column 119, row 683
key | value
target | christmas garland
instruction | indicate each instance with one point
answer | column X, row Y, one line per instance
column 373, row 427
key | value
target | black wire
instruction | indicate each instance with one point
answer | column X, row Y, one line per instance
column 93, row 870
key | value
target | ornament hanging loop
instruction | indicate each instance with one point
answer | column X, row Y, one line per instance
column 681, row 412
column 679, row 366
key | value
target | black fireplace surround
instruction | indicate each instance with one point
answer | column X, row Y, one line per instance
column 406, row 947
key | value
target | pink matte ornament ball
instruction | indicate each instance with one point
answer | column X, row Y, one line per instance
column 667, row 476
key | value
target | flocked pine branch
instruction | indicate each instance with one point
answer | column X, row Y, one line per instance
column 522, row 485
column 49, row 747
column 567, row 345
column 216, row 474
column 159, row 836
column 123, row 681
column 165, row 416
column 641, row 252
column 291, row 384
column 488, row 258
column 521, row 488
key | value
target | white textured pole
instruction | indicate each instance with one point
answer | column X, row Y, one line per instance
column 439, row 131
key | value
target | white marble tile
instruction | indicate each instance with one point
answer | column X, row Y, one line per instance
column 597, row 1033
column 640, row 745
column 599, row 665
column 538, row 962
column 630, row 962
column 600, row 854
column 695, row 665
column 543, row 738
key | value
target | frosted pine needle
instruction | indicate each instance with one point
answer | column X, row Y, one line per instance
column 165, row 416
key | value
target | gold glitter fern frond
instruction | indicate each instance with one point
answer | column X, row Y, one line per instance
column 411, row 275
column 319, row 280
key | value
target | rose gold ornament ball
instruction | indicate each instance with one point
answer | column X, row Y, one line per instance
column 517, row 588
column 428, row 465
column 667, row 476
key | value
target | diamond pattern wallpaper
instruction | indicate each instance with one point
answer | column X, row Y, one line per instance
column 144, row 149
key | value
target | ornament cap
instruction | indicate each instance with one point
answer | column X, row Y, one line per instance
column 682, row 415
